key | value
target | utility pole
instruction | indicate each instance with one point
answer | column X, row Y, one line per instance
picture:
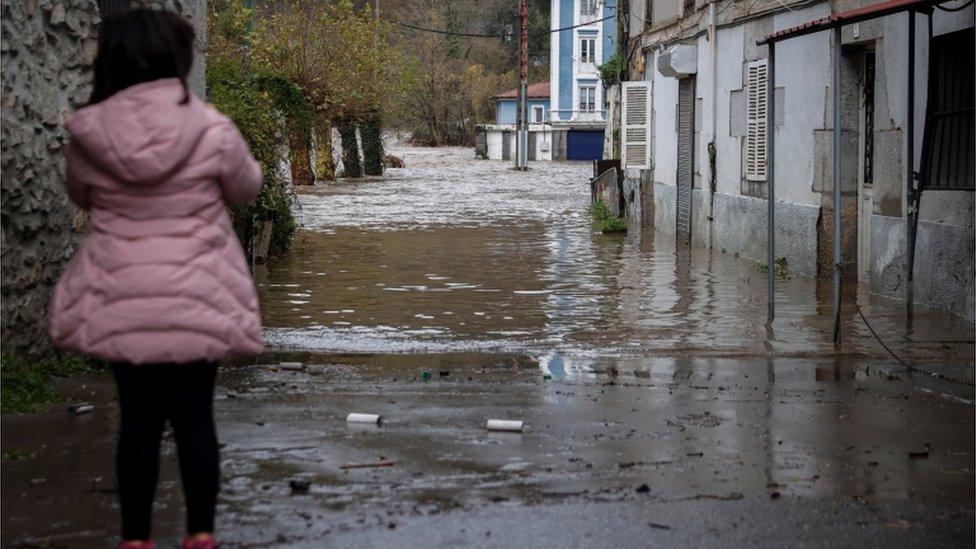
column 522, row 126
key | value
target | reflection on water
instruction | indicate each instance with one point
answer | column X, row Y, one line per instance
column 452, row 254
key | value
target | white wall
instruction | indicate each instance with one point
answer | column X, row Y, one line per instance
column 728, row 150
column 665, row 134
column 804, row 70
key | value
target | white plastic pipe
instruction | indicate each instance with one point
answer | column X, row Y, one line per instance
column 294, row 366
column 505, row 425
column 363, row 418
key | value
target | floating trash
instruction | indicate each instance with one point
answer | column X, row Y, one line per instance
column 79, row 409
column 364, row 418
column 505, row 425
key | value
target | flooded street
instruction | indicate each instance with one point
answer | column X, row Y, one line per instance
column 454, row 254
column 659, row 407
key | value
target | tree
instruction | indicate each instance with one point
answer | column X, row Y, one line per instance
column 339, row 55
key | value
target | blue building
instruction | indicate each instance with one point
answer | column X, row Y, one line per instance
column 506, row 110
column 577, row 111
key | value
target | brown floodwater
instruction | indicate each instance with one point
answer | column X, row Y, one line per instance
column 453, row 253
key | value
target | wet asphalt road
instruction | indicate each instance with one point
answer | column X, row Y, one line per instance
column 659, row 409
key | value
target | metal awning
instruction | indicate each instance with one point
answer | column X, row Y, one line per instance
column 851, row 16
column 835, row 23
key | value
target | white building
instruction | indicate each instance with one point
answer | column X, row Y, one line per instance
column 699, row 102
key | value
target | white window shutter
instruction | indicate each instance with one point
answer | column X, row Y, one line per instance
column 757, row 77
column 635, row 121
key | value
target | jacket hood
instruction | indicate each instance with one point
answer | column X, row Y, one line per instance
column 142, row 133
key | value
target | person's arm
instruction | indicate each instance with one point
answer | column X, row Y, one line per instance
column 77, row 190
column 240, row 174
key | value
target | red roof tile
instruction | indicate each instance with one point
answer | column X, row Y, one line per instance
column 537, row 90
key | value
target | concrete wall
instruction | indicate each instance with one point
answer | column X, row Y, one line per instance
column 543, row 136
column 804, row 160
column 48, row 48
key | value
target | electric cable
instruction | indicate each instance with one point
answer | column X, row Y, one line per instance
column 497, row 35
column 903, row 362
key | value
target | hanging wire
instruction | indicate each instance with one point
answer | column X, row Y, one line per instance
column 497, row 35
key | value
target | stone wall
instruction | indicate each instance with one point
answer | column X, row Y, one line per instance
column 47, row 50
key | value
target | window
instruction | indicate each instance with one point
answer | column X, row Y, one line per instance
column 868, row 155
column 588, row 50
column 947, row 164
column 537, row 114
column 587, row 98
column 588, row 7
column 755, row 161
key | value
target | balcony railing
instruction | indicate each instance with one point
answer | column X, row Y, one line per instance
column 576, row 115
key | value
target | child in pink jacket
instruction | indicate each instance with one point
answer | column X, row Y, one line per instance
column 159, row 287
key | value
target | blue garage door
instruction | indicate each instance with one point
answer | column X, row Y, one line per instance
column 584, row 145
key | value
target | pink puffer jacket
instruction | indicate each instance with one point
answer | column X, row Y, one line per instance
column 160, row 277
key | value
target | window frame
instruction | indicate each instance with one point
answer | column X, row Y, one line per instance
column 587, row 50
column 541, row 118
column 588, row 8
column 590, row 95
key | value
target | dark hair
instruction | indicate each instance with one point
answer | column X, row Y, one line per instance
column 141, row 45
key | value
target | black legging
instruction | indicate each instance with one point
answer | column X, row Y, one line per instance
column 148, row 396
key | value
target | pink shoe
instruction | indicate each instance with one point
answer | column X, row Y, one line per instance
column 137, row 545
column 206, row 543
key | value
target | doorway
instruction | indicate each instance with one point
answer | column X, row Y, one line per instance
column 865, row 171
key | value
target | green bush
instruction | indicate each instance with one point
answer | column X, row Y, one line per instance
column 608, row 222
column 26, row 385
column 611, row 70
column 259, row 106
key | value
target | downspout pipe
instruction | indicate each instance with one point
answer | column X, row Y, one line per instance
column 712, row 161
column 771, row 186
column 911, row 202
column 837, row 173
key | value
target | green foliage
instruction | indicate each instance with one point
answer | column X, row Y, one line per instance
column 611, row 70
column 260, row 104
column 782, row 268
column 26, row 385
column 604, row 217
column 289, row 99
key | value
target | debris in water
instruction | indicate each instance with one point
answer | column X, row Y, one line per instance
column 364, row 418
column 444, row 373
column 291, row 366
column 300, row 485
column 775, row 495
column 643, row 489
column 695, row 454
column 425, row 375
column 659, row 526
column 918, row 455
column 504, row 425
column 38, row 481
column 379, row 463
column 79, row 409
column 547, row 376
